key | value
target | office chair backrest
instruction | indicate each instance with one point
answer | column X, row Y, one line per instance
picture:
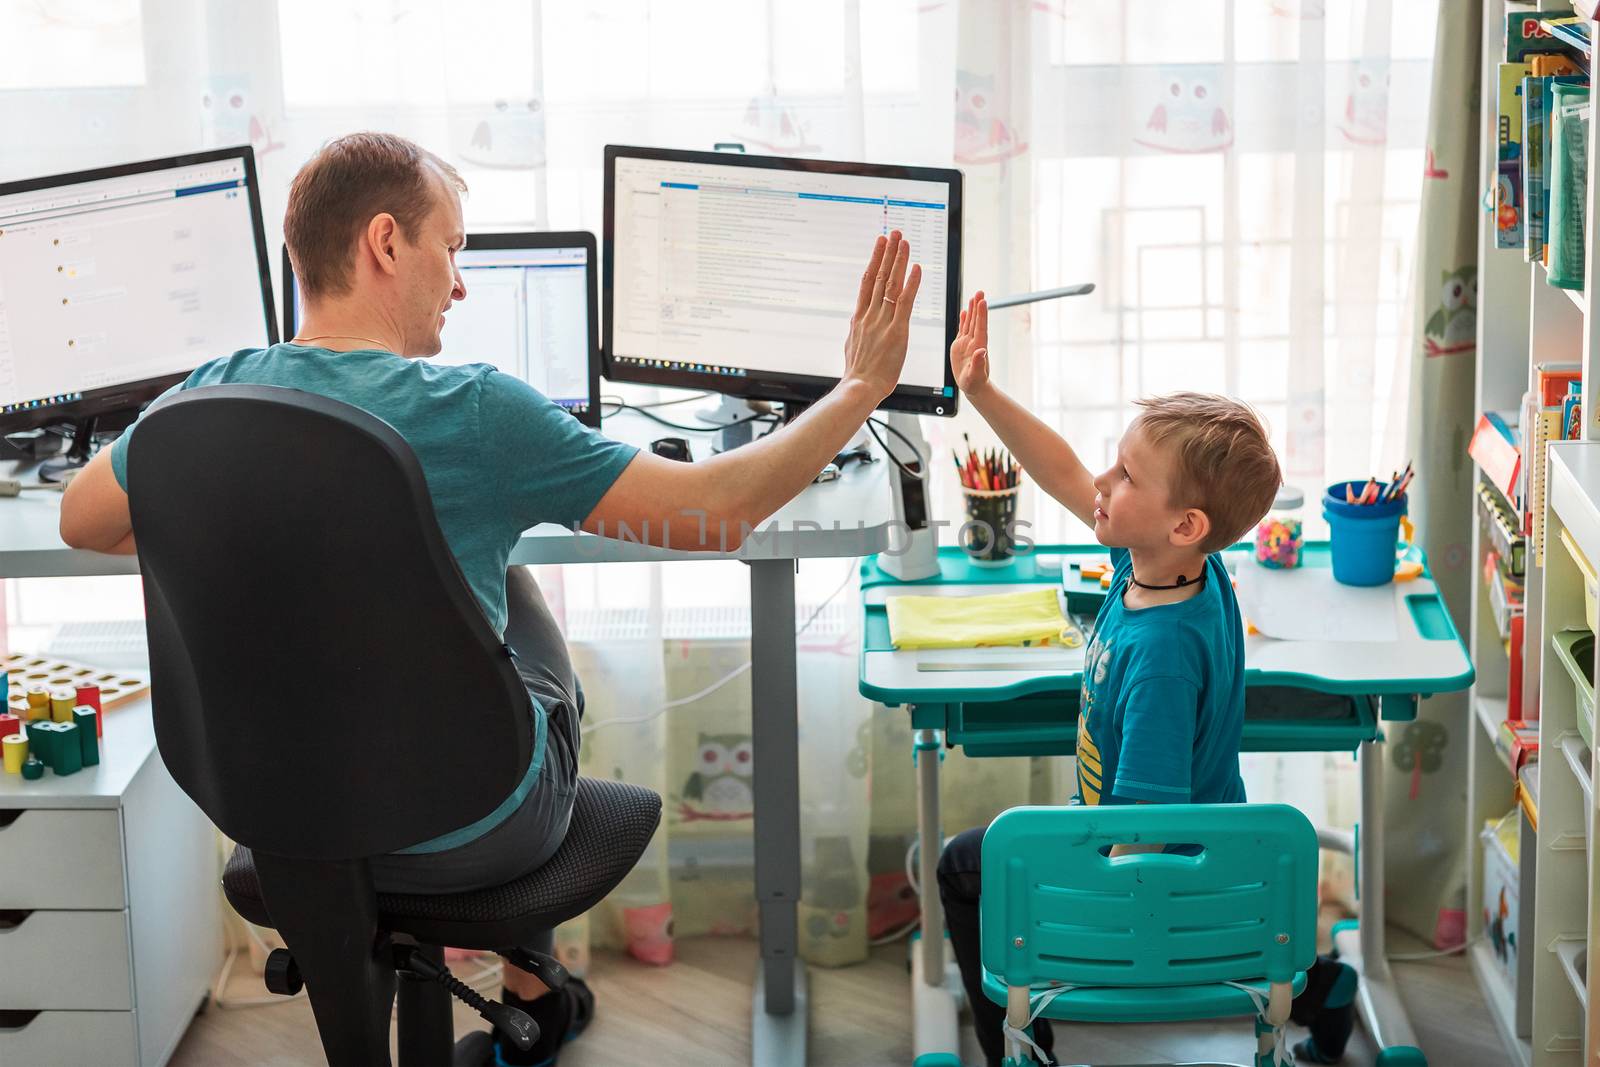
column 1055, row 909
column 325, row 686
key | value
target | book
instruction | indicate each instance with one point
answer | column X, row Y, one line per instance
column 1508, row 200
column 1535, row 197
column 1544, row 426
column 1526, row 32
column 1572, row 412
column 1567, row 167
column 1547, row 161
column 1503, row 528
column 1553, row 378
column 1496, row 448
column 1571, row 35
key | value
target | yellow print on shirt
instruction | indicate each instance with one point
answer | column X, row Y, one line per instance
column 1090, row 769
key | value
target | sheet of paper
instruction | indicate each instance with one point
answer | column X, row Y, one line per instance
column 1306, row 604
column 1055, row 660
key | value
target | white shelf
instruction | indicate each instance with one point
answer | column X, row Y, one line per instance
column 1569, row 950
column 1501, row 998
column 1574, row 295
column 1577, row 754
column 1491, row 713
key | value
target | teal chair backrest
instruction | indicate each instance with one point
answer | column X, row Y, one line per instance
column 1054, row 909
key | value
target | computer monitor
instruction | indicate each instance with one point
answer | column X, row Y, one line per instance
column 116, row 283
column 738, row 274
column 530, row 311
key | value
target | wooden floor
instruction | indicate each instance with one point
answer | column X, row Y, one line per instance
column 697, row 1012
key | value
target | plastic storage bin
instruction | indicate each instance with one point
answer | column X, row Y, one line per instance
column 1591, row 581
column 1502, row 890
column 1575, row 650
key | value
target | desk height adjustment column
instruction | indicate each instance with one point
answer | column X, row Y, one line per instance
column 778, row 1024
column 935, row 985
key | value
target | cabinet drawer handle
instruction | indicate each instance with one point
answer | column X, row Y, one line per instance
column 16, row 1021
column 10, row 920
column 9, row 816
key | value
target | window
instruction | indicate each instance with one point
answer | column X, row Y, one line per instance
column 72, row 44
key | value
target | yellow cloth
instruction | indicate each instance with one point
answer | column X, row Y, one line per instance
column 1030, row 617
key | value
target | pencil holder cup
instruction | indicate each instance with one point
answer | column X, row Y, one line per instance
column 988, row 537
column 1362, row 538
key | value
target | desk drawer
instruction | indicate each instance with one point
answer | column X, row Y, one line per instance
column 67, row 1038
column 59, row 858
column 65, row 959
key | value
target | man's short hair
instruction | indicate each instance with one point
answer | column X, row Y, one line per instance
column 1224, row 463
column 340, row 189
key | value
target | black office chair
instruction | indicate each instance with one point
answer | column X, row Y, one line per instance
column 327, row 689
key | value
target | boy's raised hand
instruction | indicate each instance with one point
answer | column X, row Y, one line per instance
column 969, row 352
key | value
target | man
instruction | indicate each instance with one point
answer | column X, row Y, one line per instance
column 373, row 225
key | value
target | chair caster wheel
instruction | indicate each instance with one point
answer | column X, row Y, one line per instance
column 474, row 1050
column 282, row 973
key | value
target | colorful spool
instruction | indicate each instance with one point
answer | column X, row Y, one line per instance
column 89, row 696
column 33, row 768
column 85, row 718
column 15, row 747
column 41, row 737
column 9, row 724
column 61, row 705
column 38, row 702
column 66, row 751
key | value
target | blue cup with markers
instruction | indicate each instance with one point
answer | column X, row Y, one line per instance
column 1363, row 538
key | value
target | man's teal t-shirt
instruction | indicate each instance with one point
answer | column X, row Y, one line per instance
column 498, row 457
column 1162, row 708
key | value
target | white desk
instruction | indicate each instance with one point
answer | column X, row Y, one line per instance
column 114, row 873
column 844, row 518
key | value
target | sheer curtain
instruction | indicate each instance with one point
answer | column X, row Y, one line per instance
column 1239, row 177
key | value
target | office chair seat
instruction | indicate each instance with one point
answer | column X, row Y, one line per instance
column 612, row 823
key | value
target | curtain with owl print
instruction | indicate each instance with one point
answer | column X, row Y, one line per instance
column 1427, row 760
column 1240, row 178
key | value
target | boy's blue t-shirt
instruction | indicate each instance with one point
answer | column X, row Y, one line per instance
column 498, row 456
column 1162, row 707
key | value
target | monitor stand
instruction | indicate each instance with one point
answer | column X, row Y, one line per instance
column 82, row 450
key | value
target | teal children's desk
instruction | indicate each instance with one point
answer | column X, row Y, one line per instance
column 1314, row 695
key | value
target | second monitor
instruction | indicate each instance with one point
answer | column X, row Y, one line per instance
column 530, row 312
column 738, row 274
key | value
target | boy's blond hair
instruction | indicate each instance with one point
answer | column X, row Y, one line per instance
column 1224, row 466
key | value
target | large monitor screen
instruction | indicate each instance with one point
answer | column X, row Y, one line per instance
column 740, row 273
column 115, row 283
column 530, row 311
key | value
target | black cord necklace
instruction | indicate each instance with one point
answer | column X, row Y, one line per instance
column 1182, row 581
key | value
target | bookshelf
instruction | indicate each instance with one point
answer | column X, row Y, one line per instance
column 1539, row 1005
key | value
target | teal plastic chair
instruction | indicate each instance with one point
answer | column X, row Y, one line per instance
column 1070, row 933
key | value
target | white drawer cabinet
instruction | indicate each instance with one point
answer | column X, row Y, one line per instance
column 110, row 922
column 60, row 858
column 68, row 1039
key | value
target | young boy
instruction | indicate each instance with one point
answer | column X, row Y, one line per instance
column 1162, row 706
